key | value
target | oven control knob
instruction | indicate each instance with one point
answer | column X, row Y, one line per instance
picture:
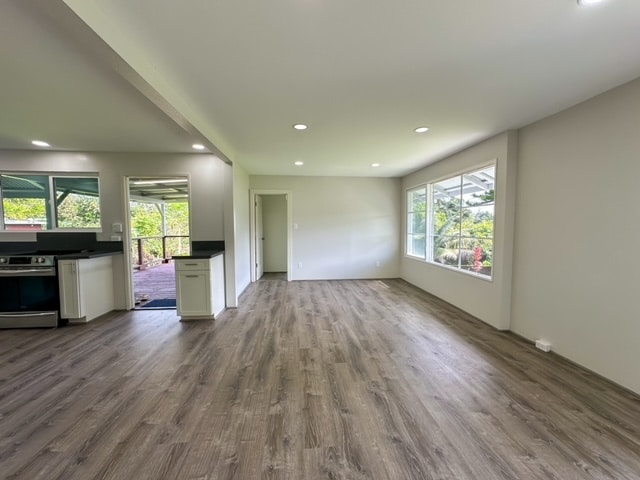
column 3, row 260
column 40, row 260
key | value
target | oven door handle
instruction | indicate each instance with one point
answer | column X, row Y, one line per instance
column 18, row 315
column 18, row 271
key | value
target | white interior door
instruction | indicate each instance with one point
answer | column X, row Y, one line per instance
column 259, row 239
column 274, row 227
column 257, row 232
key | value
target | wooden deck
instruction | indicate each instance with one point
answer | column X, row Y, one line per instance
column 154, row 283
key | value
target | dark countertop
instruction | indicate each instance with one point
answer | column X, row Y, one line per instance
column 199, row 254
column 70, row 255
column 86, row 255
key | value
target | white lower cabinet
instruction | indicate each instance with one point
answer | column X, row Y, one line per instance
column 200, row 287
column 193, row 293
column 86, row 288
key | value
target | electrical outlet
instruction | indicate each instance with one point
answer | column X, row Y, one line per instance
column 543, row 345
column 299, row 264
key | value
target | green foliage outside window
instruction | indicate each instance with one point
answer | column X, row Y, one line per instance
column 25, row 210
column 28, row 204
column 146, row 224
column 79, row 211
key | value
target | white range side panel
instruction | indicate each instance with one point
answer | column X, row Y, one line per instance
column 96, row 278
column 86, row 288
column 68, row 278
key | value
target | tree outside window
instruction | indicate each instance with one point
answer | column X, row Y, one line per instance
column 46, row 202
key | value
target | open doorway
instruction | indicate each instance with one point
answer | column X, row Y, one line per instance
column 271, row 233
column 159, row 229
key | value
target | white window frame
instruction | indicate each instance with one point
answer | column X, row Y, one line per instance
column 411, row 212
column 51, row 207
column 429, row 223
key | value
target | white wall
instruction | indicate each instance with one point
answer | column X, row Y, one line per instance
column 205, row 172
column 242, row 238
column 490, row 301
column 577, row 261
column 274, row 220
column 345, row 225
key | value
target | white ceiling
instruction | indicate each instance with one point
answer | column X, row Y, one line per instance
column 361, row 73
column 51, row 89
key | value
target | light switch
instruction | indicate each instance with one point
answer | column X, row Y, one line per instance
column 116, row 228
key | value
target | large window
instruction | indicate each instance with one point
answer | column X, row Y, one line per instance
column 44, row 202
column 450, row 222
column 416, row 222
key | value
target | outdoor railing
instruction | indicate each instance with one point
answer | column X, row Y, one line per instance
column 150, row 251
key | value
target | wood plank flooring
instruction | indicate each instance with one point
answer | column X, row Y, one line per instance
column 306, row 380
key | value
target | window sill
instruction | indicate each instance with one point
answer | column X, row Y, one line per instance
column 451, row 269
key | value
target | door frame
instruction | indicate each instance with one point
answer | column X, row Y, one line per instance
column 129, row 294
column 259, row 236
column 252, row 227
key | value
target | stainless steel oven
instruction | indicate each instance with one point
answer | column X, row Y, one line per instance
column 29, row 295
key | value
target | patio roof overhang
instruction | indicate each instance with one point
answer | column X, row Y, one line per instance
column 159, row 190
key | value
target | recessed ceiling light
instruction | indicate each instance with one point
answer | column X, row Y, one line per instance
column 588, row 2
column 300, row 126
column 421, row 129
column 374, row 165
column 40, row 143
column 197, row 146
column 298, row 163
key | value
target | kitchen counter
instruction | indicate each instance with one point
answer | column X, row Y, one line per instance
column 69, row 255
column 196, row 254
column 86, row 254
